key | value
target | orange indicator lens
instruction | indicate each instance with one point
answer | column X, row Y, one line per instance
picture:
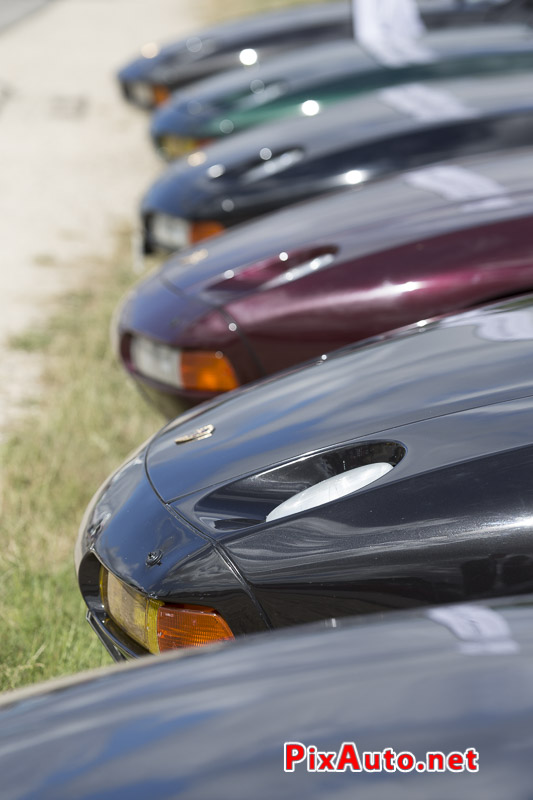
column 189, row 626
column 161, row 94
column 207, row 371
column 203, row 230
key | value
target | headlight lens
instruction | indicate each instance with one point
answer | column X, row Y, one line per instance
column 159, row 626
column 156, row 361
column 142, row 94
column 171, row 233
column 135, row 614
column 172, row 147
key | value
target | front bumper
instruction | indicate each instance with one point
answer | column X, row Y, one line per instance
column 124, row 524
column 174, row 319
column 167, row 400
column 113, row 639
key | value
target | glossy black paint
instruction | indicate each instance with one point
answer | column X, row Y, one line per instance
column 114, row 530
column 213, row 725
column 357, row 141
column 452, row 521
column 217, row 48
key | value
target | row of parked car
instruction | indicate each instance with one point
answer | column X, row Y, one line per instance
column 384, row 206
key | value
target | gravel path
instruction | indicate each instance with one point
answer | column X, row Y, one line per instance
column 12, row 11
column 74, row 158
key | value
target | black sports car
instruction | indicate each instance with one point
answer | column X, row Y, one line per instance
column 274, row 166
column 150, row 77
column 385, row 476
column 448, row 691
column 308, row 83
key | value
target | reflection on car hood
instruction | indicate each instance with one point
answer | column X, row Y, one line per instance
column 291, row 24
column 212, row 724
column 353, row 224
column 468, row 361
column 329, row 68
column 321, row 151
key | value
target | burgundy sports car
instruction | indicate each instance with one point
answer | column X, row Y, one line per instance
column 308, row 279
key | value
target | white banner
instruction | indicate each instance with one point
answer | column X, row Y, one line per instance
column 390, row 30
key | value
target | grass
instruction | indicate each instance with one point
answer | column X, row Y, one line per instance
column 88, row 416
column 80, row 425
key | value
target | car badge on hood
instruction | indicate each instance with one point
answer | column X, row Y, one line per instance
column 195, row 436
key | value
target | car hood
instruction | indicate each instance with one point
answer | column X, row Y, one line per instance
column 351, row 224
column 324, row 72
column 235, row 35
column 212, row 724
column 302, row 151
column 288, row 73
column 186, row 187
column 469, row 361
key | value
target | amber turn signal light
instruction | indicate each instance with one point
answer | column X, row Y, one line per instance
column 158, row 626
column 203, row 230
column 189, row 626
column 206, row 371
column 161, row 94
